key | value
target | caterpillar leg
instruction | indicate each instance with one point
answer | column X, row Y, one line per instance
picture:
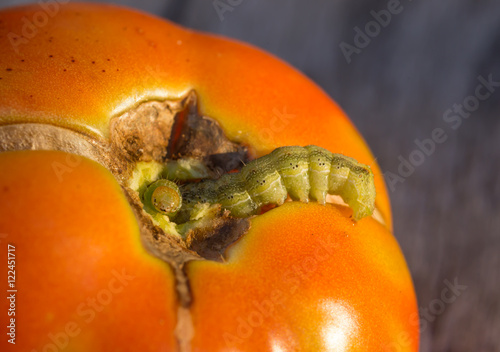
column 354, row 183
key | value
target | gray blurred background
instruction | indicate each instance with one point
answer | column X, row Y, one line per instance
column 397, row 86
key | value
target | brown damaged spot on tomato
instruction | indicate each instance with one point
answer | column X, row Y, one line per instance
column 202, row 138
column 152, row 131
column 143, row 133
column 174, row 129
column 211, row 238
column 33, row 136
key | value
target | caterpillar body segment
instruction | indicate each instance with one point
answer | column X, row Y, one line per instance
column 320, row 164
column 233, row 196
column 292, row 163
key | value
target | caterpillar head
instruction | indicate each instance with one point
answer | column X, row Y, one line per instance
column 163, row 196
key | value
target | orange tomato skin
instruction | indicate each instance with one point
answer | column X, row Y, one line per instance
column 331, row 284
column 84, row 281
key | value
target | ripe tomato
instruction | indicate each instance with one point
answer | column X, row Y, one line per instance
column 86, row 92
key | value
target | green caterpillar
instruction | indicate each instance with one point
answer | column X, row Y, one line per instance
column 304, row 173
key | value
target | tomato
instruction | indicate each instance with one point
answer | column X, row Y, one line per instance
column 81, row 94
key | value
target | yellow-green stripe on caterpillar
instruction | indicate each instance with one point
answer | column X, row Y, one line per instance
column 304, row 173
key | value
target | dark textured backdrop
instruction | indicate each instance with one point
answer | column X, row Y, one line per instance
column 396, row 89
